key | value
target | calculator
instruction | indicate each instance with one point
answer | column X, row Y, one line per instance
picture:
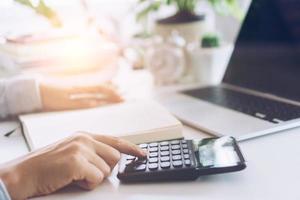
column 182, row 160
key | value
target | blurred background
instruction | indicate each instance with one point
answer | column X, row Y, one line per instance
column 137, row 45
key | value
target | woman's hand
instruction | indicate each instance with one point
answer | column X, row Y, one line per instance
column 83, row 159
column 55, row 97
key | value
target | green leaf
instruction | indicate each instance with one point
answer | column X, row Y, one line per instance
column 43, row 10
column 227, row 7
column 210, row 40
column 148, row 9
column 222, row 7
column 24, row 2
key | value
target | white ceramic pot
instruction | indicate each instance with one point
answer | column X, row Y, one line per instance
column 208, row 65
column 190, row 31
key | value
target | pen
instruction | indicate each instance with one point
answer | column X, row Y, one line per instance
column 87, row 96
column 11, row 132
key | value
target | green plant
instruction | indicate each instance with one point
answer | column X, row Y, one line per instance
column 223, row 7
column 42, row 9
column 210, row 41
column 227, row 7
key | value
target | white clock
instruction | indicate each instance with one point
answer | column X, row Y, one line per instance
column 166, row 62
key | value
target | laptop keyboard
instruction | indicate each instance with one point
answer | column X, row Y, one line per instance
column 263, row 108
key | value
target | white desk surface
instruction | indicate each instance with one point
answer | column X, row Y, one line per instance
column 273, row 172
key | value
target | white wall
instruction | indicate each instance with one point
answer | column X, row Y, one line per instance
column 15, row 18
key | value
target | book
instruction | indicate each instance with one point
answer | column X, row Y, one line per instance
column 57, row 52
column 138, row 121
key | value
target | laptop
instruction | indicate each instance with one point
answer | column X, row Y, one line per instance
column 260, row 92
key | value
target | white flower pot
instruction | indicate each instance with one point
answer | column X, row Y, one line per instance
column 191, row 32
column 208, row 65
column 190, row 27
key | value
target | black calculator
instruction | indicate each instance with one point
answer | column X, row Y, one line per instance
column 182, row 160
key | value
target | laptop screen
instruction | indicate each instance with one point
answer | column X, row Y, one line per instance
column 267, row 52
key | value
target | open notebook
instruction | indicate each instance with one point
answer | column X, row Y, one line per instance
column 138, row 121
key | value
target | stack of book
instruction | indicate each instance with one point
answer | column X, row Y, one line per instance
column 55, row 52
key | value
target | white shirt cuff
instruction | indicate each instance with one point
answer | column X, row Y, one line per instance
column 3, row 192
column 22, row 95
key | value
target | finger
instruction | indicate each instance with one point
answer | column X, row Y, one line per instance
column 78, row 104
column 97, row 98
column 86, row 89
column 86, row 142
column 90, row 177
column 112, row 95
column 110, row 155
column 109, row 92
column 94, row 96
column 91, row 98
column 94, row 159
column 110, row 85
column 121, row 145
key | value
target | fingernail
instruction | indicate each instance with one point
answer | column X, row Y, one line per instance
column 143, row 152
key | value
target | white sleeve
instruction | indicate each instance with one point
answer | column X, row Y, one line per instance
column 19, row 95
column 3, row 192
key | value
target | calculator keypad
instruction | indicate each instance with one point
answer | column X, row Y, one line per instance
column 169, row 161
column 162, row 156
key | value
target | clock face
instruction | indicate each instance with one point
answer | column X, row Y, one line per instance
column 167, row 63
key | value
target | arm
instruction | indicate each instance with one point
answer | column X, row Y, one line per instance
column 83, row 159
column 25, row 94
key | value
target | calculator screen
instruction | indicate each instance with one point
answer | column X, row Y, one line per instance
column 217, row 152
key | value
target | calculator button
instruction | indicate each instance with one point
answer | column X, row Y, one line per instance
column 177, row 163
column 177, row 157
column 186, row 156
column 164, row 144
column 187, row 162
column 153, row 149
column 184, row 146
column 183, row 142
column 154, row 144
column 153, row 166
column 175, row 142
column 164, row 159
column 153, row 160
column 164, row 153
column 141, row 161
column 175, row 147
column 153, row 154
column 165, row 165
column 143, row 146
column 185, row 151
column 164, row 148
column 141, row 167
column 176, row 152
column 128, row 162
column 130, row 157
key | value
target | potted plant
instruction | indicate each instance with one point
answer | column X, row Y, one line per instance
column 186, row 21
column 209, row 59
